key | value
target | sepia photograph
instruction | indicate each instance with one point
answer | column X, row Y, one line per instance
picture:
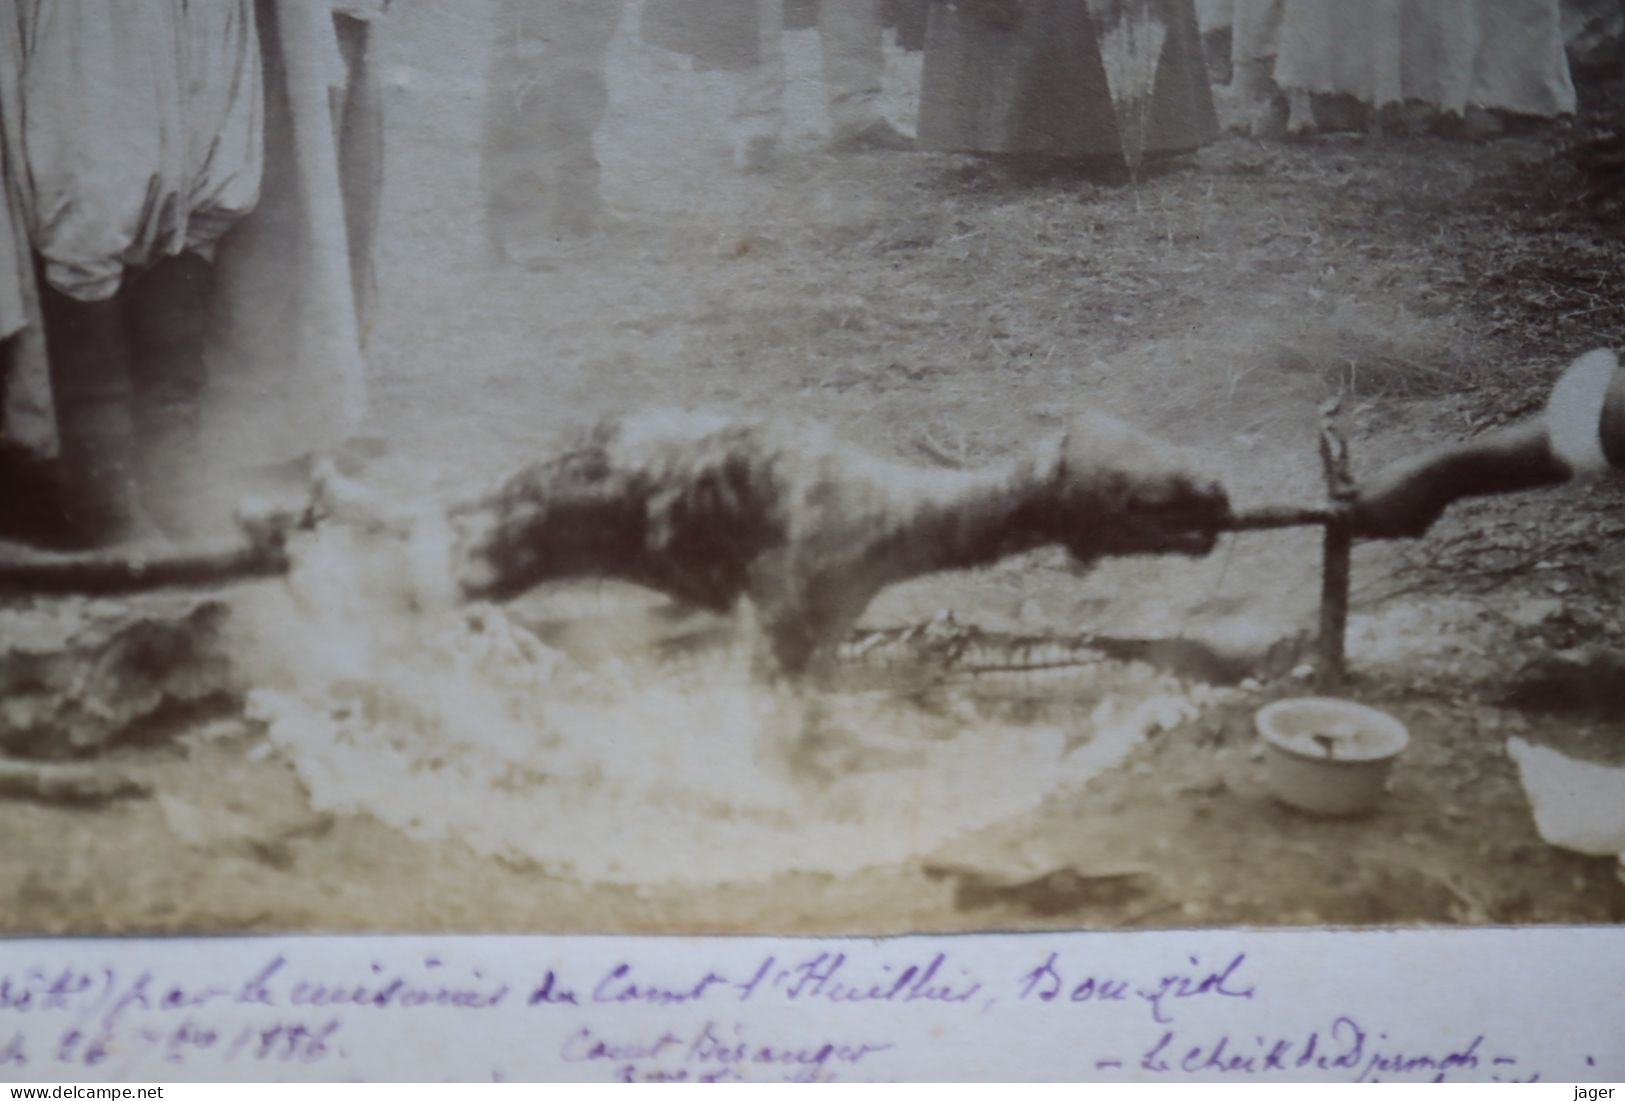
column 811, row 467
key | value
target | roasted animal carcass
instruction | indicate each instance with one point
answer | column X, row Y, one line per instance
column 709, row 510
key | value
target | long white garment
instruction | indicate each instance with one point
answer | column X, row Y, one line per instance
column 27, row 413
column 1522, row 64
column 15, row 311
column 1575, row 411
column 286, row 374
column 1504, row 55
column 1330, row 46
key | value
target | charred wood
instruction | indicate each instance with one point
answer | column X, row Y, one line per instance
column 66, row 783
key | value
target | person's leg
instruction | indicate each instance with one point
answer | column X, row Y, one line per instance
column 1255, row 39
column 167, row 314
column 854, row 64
column 547, row 95
column 92, row 484
column 758, row 118
column 28, row 511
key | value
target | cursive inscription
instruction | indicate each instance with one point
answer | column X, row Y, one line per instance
column 717, row 1052
column 843, row 1011
column 1345, row 1049
column 1052, row 981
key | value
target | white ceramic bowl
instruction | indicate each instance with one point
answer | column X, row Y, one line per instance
column 1329, row 756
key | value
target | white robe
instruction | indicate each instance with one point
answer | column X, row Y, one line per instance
column 286, row 376
column 1505, row 55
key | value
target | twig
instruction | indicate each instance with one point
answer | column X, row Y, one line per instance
column 928, row 444
column 65, row 783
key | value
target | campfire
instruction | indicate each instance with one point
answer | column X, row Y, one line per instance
column 383, row 669
column 637, row 769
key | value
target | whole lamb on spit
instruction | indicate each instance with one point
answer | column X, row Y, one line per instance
column 708, row 510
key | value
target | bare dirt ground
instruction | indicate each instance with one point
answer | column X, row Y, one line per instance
column 927, row 307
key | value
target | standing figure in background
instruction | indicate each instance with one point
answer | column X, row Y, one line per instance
column 547, row 94
column 852, row 48
column 179, row 277
column 1110, row 82
column 746, row 38
column 1406, row 63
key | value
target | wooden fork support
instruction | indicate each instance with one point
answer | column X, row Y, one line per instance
column 1335, row 557
column 1337, row 546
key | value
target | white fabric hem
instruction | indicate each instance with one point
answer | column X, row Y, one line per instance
column 1574, row 413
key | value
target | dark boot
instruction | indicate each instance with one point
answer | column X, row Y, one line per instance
column 166, row 316
column 27, row 500
column 95, row 487
column 92, row 483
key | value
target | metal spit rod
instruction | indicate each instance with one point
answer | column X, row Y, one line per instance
column 265, row 555
column 103, row 573
column 1270, row 517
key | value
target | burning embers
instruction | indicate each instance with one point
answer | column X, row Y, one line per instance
column 76, row 674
